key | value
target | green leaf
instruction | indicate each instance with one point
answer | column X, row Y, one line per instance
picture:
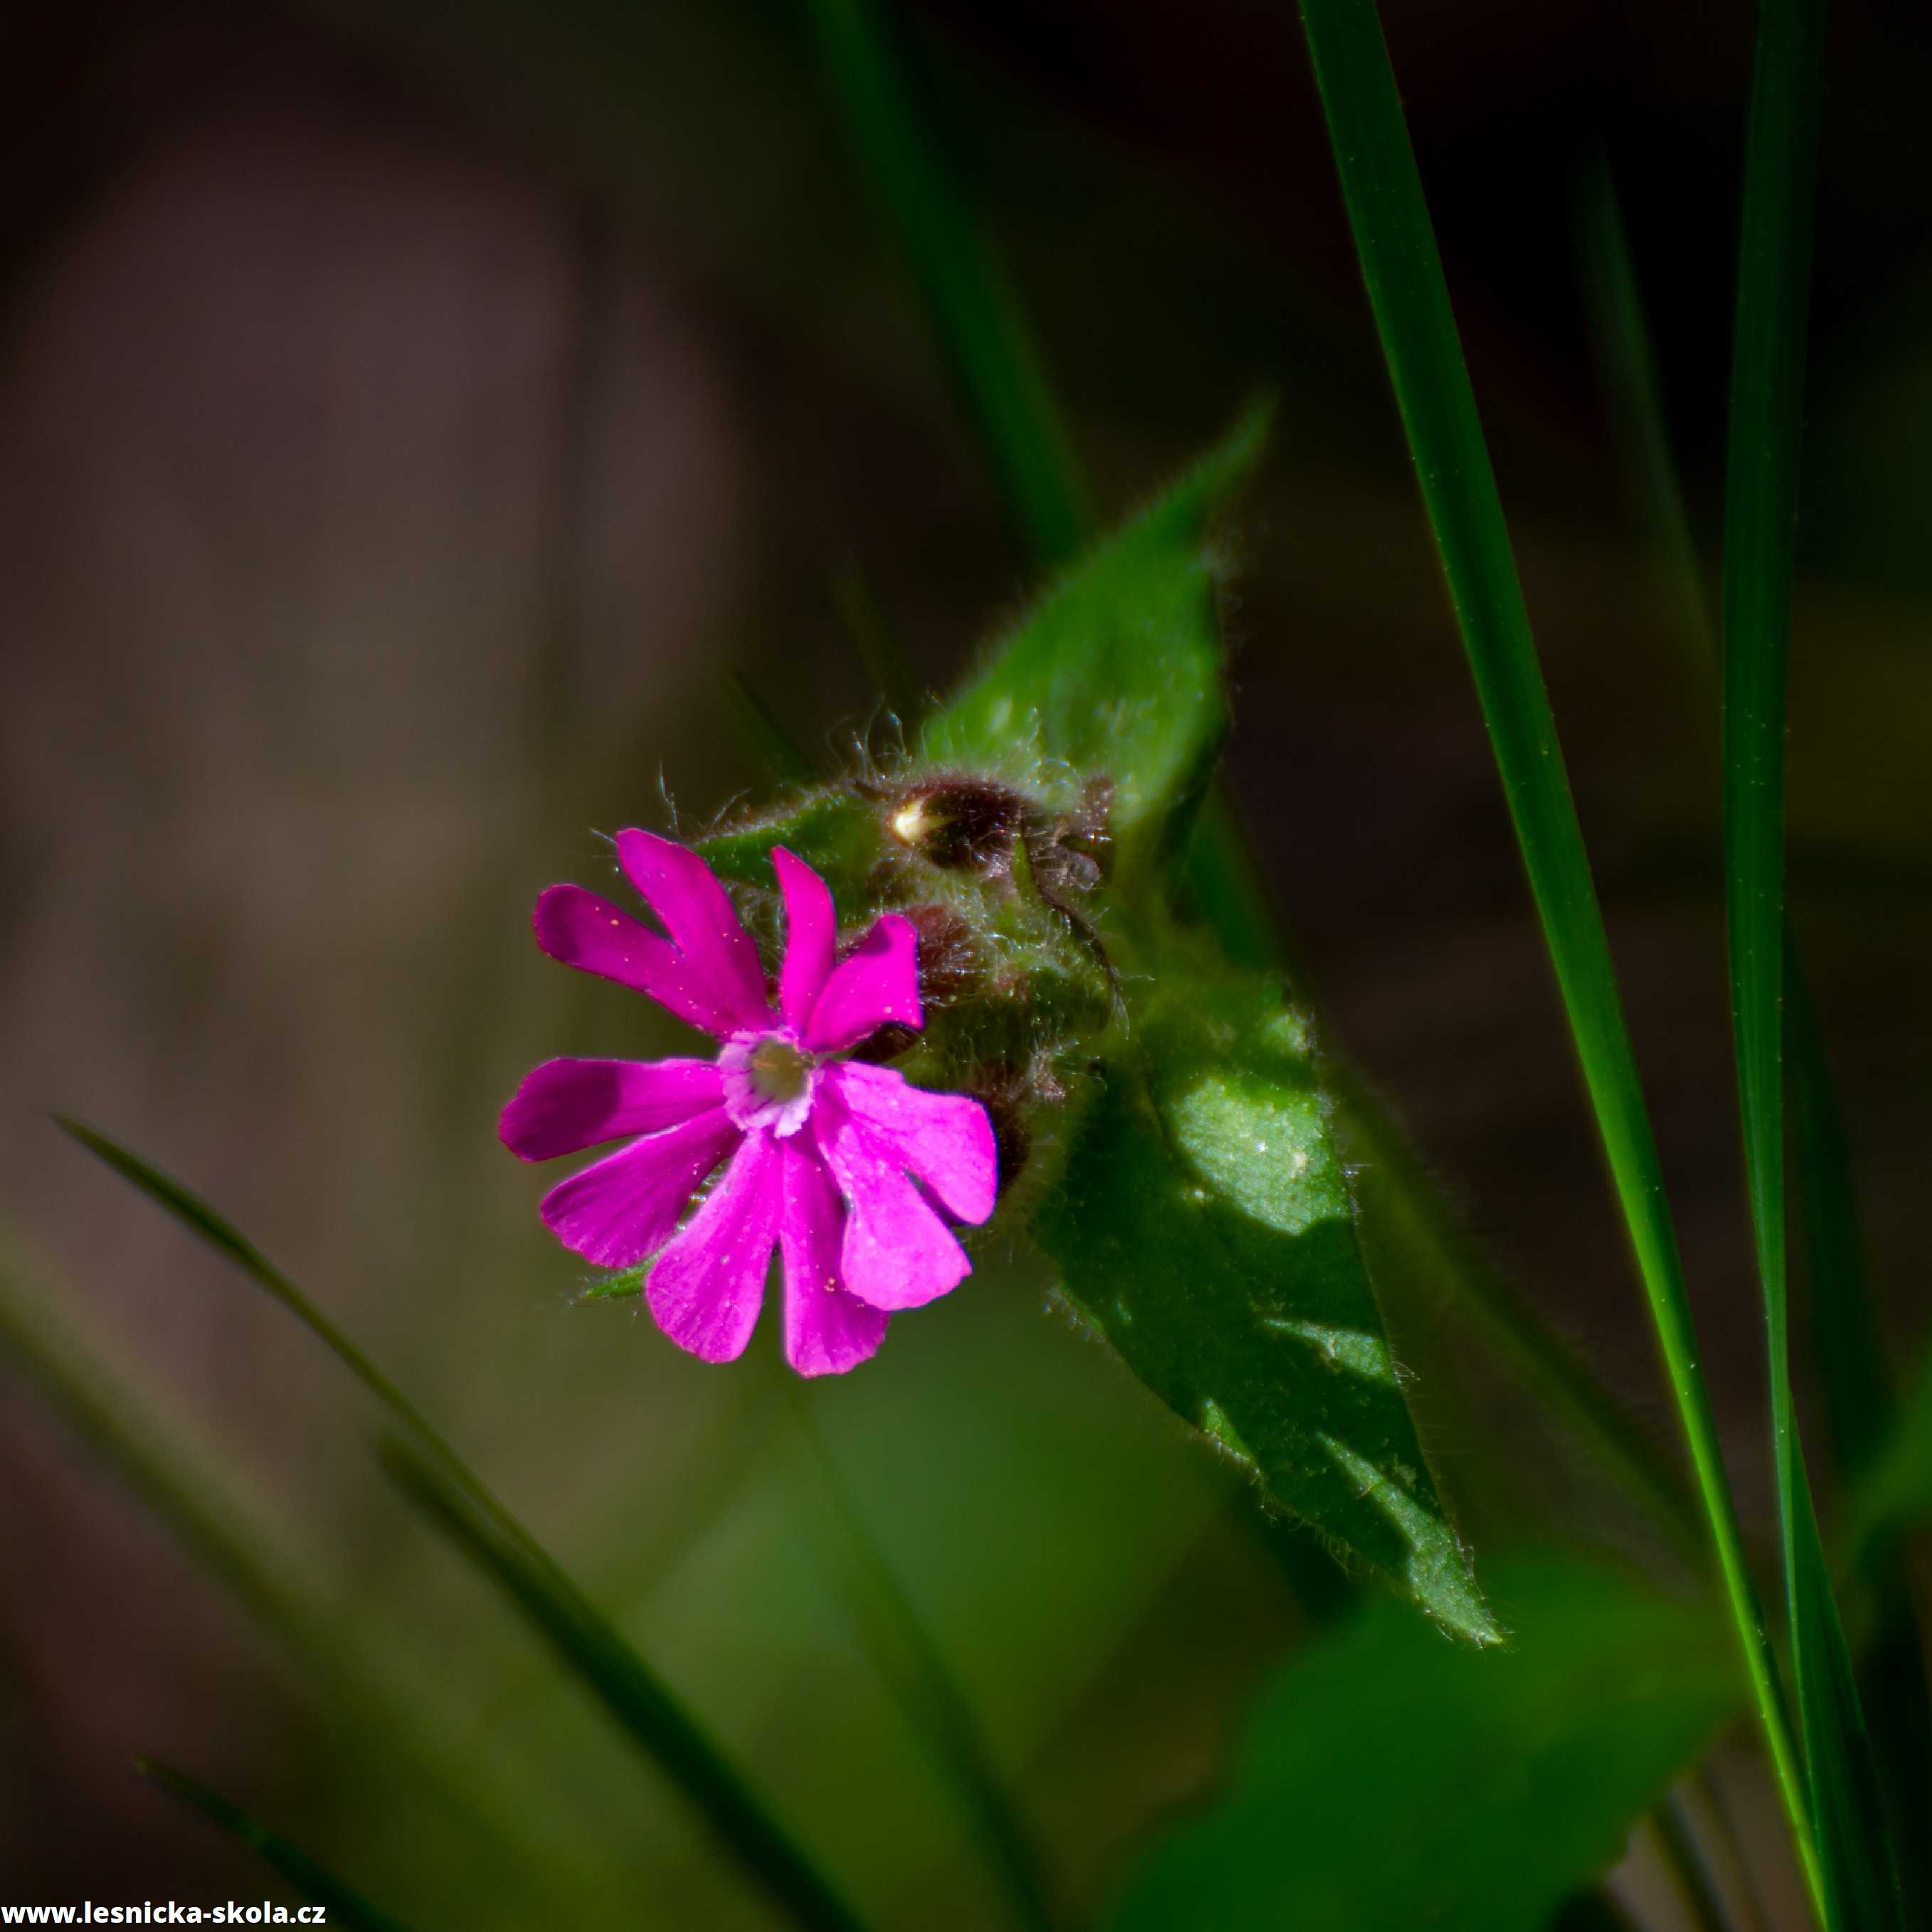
column 344, row 1905
column 1117, row 670
column 1385, row 1782
column 1382, row 189
column 1116, row 673
column 1204, row 1224
column 840, row 834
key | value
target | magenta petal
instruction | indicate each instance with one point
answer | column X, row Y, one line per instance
column 878, row 981
column 826, row 1331
column 702, row 924
column 583, row 930
column 706, row 1287
column 897, row 1252
column 565, row 1104
column 812, row 935
column 621, row 1208
column 945, row 1138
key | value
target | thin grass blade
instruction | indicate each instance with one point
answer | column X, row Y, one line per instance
column 1861, row 1407
column 1627, row 362
column 974, row 317
column 1382, row 190
column 1222, row 886
column 234, row 1540
column 1860, row 1891
column 1395, row 1182
column 1860, row 1404
column 345, row 1905
column 586, row 1642
column 434, row 1473
column 220, row 1233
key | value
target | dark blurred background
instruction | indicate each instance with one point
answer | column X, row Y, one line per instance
column 407, row 414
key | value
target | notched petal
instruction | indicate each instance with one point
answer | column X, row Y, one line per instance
column 681, row 889
column 706, row 1288
column 626, row 1206
column 896, row 1253
column 876, row 983
column 827, row 1329
column 566, row 1106
column 580, row 929
column 811, row 937
column 947, row 1139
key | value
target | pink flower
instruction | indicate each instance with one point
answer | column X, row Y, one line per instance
column 836, row 1164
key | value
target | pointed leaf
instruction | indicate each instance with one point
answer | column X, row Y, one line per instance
column 1116, row 673
column 1118, row 670
column 1205, row 1225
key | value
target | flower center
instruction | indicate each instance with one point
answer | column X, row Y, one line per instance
column 778, row 1071
column 768, row 1082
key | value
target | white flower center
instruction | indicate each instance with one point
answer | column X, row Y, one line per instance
column 768, row 1082
column 778, row 1070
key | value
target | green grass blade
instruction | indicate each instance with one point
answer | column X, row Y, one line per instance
column 1222, row 882
column 961, row 285
column 237, row 1544
column 1860, row 1403
column 585, row 1640
column 1383, row 191
column 1396, row 1183
column 1761, row 503
column 171, row 1481
column 974, row 314
column 345, row 1905
column 1626, row 361
column 520, row 1563
column 199, row 1219
column 912, row 1662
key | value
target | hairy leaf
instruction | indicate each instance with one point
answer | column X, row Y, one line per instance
column 1519, row 1774
column 1118, row 670
column 1115, row 673
column 1205, row 1226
